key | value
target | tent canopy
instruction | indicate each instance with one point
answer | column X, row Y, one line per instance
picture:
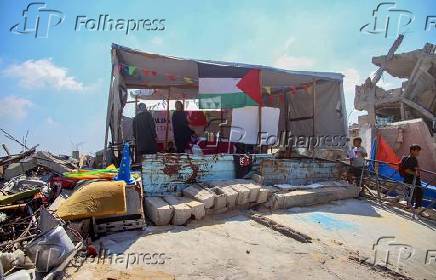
column 177, row 78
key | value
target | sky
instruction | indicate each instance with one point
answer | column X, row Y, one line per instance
column 54, row 87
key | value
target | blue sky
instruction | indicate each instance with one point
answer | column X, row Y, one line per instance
column 57, row 87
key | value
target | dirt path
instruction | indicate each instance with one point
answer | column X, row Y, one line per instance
column 229, row 246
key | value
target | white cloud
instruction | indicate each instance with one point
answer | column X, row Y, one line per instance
column 158, row 41
column 43, row 73
column 293, row 62
column 51, row 122
column 12, row 107
column 351, row 79
column 289, row 42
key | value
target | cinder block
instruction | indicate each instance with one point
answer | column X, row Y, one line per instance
column 262, row 196
column 202, row 195
column 243, row 194
column 158, row 210
column 231, row 195
column 254, row 192
column 182, row 212
column 198, row 210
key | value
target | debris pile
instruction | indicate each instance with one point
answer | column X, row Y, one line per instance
column 49, row 209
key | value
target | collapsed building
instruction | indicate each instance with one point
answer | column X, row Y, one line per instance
column 399, row 115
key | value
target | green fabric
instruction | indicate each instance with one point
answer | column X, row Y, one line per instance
column 225, row 101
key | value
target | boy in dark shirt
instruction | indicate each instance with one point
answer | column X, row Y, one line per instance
column 410, row 169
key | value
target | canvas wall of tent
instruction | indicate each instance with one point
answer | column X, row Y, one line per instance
column 310, row 103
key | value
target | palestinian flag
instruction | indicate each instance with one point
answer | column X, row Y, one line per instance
column 226, row 87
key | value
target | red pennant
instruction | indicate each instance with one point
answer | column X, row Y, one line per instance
column 250, row 84
column 170, row 77
column 154, row 73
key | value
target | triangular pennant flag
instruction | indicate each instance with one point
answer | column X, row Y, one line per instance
column 154, row 73
column 146, row 72
column 307, row 88
column 250, row 84
column 170, row 77
column 268, row 90
column 131, row 69
column 188, row 80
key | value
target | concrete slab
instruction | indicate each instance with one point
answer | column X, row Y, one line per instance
column 182, row 212
column 312, row 197
column 158, row 210
column 200, row 194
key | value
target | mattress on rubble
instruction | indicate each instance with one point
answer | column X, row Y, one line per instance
column 96, row 199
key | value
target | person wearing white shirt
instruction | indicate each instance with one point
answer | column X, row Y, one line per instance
column 356, row 155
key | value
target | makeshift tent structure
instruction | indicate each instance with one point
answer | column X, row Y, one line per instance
column 311, row 103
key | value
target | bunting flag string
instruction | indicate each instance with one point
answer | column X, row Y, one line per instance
column 133, row 71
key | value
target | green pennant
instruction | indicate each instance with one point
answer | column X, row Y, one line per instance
column 131, row 69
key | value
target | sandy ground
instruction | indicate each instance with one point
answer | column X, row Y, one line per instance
column 231, row 246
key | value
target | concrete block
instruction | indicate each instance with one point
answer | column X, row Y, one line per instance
column 311, row 197
column 243, row 194
column 182, row 212
column 202, row 195
column 262, row 196
column 254, row 192
column 216, row 211
column 198, row 210
column 158, row 210
column 230, row 193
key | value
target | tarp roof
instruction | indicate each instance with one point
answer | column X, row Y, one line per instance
column 178, row 68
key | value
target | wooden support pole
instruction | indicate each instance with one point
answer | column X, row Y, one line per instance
column 259, row 113
column 167, row 119
column 313, row 117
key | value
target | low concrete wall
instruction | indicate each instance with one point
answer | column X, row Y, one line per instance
column 298, row 171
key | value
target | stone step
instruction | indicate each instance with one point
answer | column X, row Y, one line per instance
column 311, row 197
column 158, row 210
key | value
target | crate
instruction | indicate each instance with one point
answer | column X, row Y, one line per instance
column 133, row 219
